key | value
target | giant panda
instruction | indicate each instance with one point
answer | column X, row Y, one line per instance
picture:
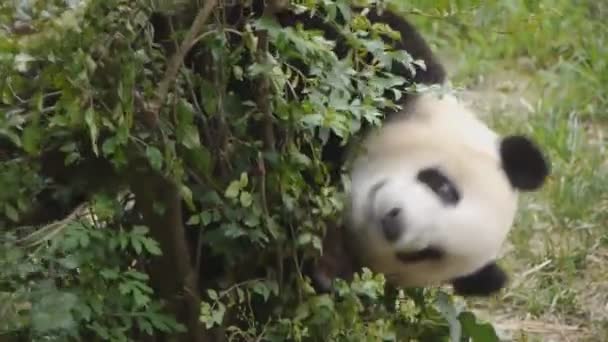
column 433, row 195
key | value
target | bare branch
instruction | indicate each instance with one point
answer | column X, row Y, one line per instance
column 264, row 92
column 49, row 231
column 178, row 57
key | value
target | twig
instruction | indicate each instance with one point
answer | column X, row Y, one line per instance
column 264, row 92
column 534, row 269
column 49, row 231
column 178, row 57
column 264, row 97
column 199, row 108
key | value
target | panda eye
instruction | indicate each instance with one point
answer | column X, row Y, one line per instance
column 440, row 184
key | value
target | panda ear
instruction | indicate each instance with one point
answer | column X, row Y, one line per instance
column 523, row 162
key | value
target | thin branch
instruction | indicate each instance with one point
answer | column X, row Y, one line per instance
column 264, row 97
column 178, row 57
column 49, row 231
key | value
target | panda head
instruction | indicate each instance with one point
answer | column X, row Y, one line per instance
column 433, row 195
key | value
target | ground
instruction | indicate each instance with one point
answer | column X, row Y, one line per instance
column 542, row 71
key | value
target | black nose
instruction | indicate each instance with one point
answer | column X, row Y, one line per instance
column 392, row 224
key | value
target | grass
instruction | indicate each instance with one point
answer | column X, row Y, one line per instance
column 541, row 68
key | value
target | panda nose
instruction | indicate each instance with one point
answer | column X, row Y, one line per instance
column 392, row 224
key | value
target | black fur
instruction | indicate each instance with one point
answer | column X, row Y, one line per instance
column 416, row 46
column 427, row 254
column 523, row 162
column 337, row 261
column 441, row 185
column 484, row 282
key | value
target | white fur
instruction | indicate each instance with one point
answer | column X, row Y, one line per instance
column 442, row 133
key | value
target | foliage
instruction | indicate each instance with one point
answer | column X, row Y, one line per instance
column 82, row 278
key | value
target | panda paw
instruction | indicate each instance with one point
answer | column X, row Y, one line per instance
column 484, row 282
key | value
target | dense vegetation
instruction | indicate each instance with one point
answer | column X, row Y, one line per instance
column 141, row 199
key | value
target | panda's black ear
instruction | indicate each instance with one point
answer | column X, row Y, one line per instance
column 523, row 162
column 483, row 282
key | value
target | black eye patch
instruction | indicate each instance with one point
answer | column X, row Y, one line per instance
column 440, row 184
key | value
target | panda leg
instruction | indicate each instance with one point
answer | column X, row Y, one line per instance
column 337, row 261
column 483, row 282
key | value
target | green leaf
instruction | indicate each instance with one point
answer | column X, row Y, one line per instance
column 317, row 243
column 240, row 295
column 70, row 262
column 145, row 326
column 218, row 314
column 140, row 230
column 11, row 212
column 212, row 294
column 479, row 332
column 300, row 158
column 123, row 241
column 186, row 131
column 209, row 95
column 83, row 311
column 102, row 331
column 32, row 135
column 212, row 317
column 137, row 245
column 110, row 274
column 206, row 218
column 53, row 311
column 140, row 299
column 251, row 219
column 191, row 138
column 244, row 181
column 450, row 313
column 138, row 275
column 186, row 194
column 89, row 118
column 232, row 230
column 109, row 146
column 125, row 287
column 155, row 157
column 261, row 289
column 193, row 220
column 246, row 199
column 151, row 246
column 233, row 190
column 84, row 239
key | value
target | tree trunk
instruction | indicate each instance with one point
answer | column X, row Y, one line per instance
column 171, row 274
